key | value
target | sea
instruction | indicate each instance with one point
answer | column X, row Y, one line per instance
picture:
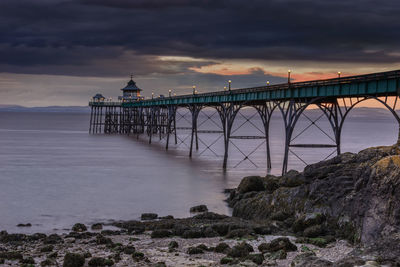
column 53, row 173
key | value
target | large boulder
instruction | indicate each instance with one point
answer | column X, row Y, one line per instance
column 281, row 243
column 352, row 196
column 250, row 184
column 73, row 260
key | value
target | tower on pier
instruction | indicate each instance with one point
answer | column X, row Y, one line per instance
column 131, row 92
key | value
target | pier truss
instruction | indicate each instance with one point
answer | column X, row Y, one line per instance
column 183, row 121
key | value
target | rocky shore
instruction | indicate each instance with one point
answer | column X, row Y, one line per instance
column 340, row 212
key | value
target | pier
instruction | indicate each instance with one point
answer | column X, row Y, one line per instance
column 157, row 117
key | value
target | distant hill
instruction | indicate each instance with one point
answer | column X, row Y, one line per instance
column 69, row 109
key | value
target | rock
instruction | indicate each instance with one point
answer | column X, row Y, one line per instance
column 37, row 236
column 194, row 233
column 278, row 244
column 102, row 240
column 309, row 260
column 129, row 250
column 292, row 179
column 79, row 227
column 98, row 261
column 350, row 262
column 11, row 255
column 250, row 184
column 160, row 264
column 48, row 262
column 133, row 227
column 138, row 255
column 148, row 216
column 24, row 225
column 307, row 220
column 28, row 260
column 97, row 226
column 257, row 258
column 226, row 260
column 210, row 216
column 199, row 208
column 241, row 250
column 313, row 231
column 222, row 248
column 238, row 233
column 47, row 248
column 351, row 196
column 194, row 250
column 162, row 233
column 279, row 215
column 277, row 255
column 168, row 217
column 209, row 232
column 53, row 239
column 54, row 255
column 73, row 260
column 262, row 230
column 203, row 247
column 110, row 232
column 387, row 250
column 8, row 238
column 172, row 246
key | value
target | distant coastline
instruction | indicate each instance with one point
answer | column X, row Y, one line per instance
column 360, row 111
column 64, row 109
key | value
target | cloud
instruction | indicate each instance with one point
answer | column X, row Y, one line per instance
column 175, row 43
column 64, row 32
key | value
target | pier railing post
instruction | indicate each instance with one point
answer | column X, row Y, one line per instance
column 91, row 119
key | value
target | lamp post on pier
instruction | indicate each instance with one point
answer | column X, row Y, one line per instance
column 169, row 92
column 194, row 89
column 288, row 79
column 339, row 73
column 229, row 82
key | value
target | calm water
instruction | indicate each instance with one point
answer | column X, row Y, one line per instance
column 54, row 174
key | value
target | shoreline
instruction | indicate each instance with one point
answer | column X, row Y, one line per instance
column 339, row 212
column 152, row 243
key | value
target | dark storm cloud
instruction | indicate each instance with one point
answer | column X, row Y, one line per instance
column 99, row 37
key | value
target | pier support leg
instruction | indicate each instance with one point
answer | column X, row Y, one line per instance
column 171, row 114
column 195, row 110
column 265, row 111
column 291, row 111
column 91, row 120
column 227, row 113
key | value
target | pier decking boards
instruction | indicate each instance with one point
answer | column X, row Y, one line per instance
column 334, row 97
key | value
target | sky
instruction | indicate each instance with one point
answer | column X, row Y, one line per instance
column 62, row 52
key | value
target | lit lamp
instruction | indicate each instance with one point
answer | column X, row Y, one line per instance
column 267, row 83
column 169, row 91
column 224, row 88
column 174, row 94
column 229, row 82
column 339, row 74
column 195, row 92
column 152, row 95
column 288, row 79
column 194, row 89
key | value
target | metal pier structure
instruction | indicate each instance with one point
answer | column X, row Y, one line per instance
column 335, row 98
